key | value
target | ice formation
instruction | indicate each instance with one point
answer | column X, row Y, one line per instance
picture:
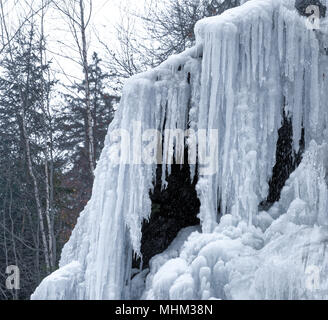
column 248, row 65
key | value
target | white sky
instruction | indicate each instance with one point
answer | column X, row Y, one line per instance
column 106, row 14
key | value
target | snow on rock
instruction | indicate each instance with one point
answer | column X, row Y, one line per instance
column 305, row 196
column 65, row 283
column 248, row 65
column 286, row 260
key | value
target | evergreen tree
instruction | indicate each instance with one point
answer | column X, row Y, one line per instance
column 24, row 132
column 72, row 126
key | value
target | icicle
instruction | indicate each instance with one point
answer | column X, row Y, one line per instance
column 314, row 90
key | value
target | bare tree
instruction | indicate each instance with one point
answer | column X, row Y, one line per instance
column 171, row 23
column 78, row 15
column 168, row 28
column 48, row 143
column 28, row 10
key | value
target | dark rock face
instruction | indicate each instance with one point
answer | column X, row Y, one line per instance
column 302, row 5
column 286, row 160
column 173, row 209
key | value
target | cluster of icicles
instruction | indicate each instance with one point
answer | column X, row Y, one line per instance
column 248, row 65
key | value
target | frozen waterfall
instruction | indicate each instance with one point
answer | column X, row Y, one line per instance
column 249, row 65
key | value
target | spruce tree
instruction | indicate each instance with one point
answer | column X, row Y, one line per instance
column 72, row 126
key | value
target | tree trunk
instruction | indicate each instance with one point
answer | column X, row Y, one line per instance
column 90, row 122
column 36, row 193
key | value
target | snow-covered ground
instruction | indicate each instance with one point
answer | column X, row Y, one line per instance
column 248, row 64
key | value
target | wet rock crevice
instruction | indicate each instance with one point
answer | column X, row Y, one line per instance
column 173, row 209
